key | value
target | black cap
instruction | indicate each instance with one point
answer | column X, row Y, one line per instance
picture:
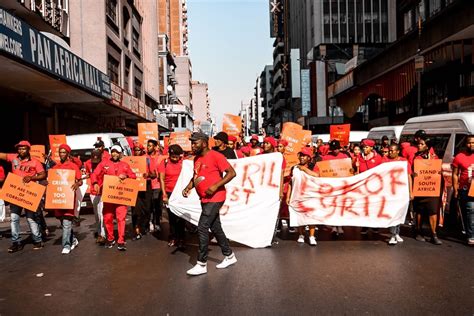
column 384, row 137
column 222, row 136
column 420, row 133
column 96, row 156
column 99, row 143
column 198, row 136
column 334, row 144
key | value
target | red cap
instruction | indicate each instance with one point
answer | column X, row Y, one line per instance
column 232, row 138
column 368, row 142
column 245, row 150
column 65, row 147
column 137, row 144
column 23, row 143
column 254, row 137
column 284, row 142
column 272, row 141
column 306, row 151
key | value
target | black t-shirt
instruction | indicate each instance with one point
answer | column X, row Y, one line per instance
column 227, row 152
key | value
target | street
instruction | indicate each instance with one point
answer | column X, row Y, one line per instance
column 348, row 276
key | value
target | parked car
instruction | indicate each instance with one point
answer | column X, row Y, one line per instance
column 392, row 132
column 83, row 144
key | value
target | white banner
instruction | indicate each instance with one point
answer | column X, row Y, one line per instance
column 250, row 212
column 377, row 198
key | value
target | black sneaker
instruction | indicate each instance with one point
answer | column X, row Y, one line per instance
column 15, row 247
column 109, row 244
column 121, row 247
column 37, row 245
column 137, row 237
column 420, row 238
column 435, row 240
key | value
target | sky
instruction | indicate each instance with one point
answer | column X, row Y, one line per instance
column 229, row 45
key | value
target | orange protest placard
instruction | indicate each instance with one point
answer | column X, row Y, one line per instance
column 181, row 139
column 293, row 134
column 54, row 142
column 166, row 144
column 471, row 191
column 337, row 168
column 341, row 133
column 138, row 165
column 232, row 124
column 121, row 192
column 26, row 195
column 59, row 195
column 306, row 137
column 38, row 151
column 147, row 131
column 427, row 181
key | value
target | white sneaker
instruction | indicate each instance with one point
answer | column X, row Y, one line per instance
column 312, row 241
column 334, row 230
column 306, row 228
column 284, row 222
column 398, row 238
column 199, row 268
column 301, row 239
column 75, row 243
column 392, row 241
column 228, row 261
column 65, row 251
column 340, row 231
column 292, row 230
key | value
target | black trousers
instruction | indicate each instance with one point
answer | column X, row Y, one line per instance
column 176, row 224
column 210, row 219
column 157, row 205
column 141, row 213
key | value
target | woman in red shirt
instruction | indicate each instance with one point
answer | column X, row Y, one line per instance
column 169, row 170
column 426, row 206
column 113, row 167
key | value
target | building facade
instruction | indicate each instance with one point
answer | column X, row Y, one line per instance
column 201, row 104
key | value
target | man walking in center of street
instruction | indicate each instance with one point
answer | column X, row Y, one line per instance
column 209, row 166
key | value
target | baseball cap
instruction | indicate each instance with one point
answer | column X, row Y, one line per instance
column 306, row 151
column 420, row 133
column 152, row 140
column 222, row 136
column 99, row 143
column 334, row 144
column 117, row 148
column 23, row 143
column 198, row 136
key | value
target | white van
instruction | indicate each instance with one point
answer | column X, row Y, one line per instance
column 83, row 144
column 448, row 133
column 392, row 132
column 354, row 137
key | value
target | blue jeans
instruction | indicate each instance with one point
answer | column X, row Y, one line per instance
column 68, row 235
column 395, row 230
column 33, row 222
column 467, row 208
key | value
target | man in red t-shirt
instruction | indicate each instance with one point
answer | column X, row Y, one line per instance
column 463, row 173
column 154, row 154
column 209, row 183
column 255, row 149
column 66, row 217
column 29, row 169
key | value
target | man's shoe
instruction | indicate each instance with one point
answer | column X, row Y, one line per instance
column 435, row 240
column 75, row 243
column 199, row 268
column 392, row 241
column 15, row 247
column 121, row 247
column 312, row 241
column 37, row 245
column 110, row 244
column 364, row 231
column 340, row 231
column 398, row 238
column 228, row 261
column 470, row 241
column 301, row 239
column 137, row 237
column 100, row 240
column 420, row 238
column 172, row 243
column 66, row 251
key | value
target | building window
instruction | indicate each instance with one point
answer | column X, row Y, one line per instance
column 113, row 69
column 435, row 7
column 127, row 74
column 138, row 88
column 111, row 10
column 136, row 43
column 408, row 21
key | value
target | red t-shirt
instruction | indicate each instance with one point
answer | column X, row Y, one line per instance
column 171, row 171
column 208, row 170
column 366, row 164
column 153, row 162
column 255, row 151
column 465, row 163
column 340, row 155
column 399, row 158
column 26, row 167
column 68, row 165
column 2, row 174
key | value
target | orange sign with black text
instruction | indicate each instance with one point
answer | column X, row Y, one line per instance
column 232, row 124
column 147, row 131
column 120, row 192
column 138, row 165
column 38, row 151
column 293, row 134
column 26, row 195
column 471, row 191
column 337, row 168
column 340, row 133
column 59, row 195
column 54, row 142
column 427, row 180
column 181, row 139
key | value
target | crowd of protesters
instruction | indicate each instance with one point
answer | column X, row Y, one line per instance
column 211, row 172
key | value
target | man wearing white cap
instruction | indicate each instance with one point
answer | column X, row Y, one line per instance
column 113, row 167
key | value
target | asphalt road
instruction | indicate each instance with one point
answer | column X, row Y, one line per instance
column 346, row 276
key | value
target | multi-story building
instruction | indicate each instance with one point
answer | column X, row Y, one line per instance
column 167, row 74
column 428, row 70
column 173, row 21
column 201, row 104
column 266, row 95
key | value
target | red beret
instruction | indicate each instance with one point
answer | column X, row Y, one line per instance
column 368, row 142
column 23, row 143
column 232, row 138
column 306, row 151
column 254, row 137
column 65, row 147
column 139, row 145
column 284, row 142
column 272, row 141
